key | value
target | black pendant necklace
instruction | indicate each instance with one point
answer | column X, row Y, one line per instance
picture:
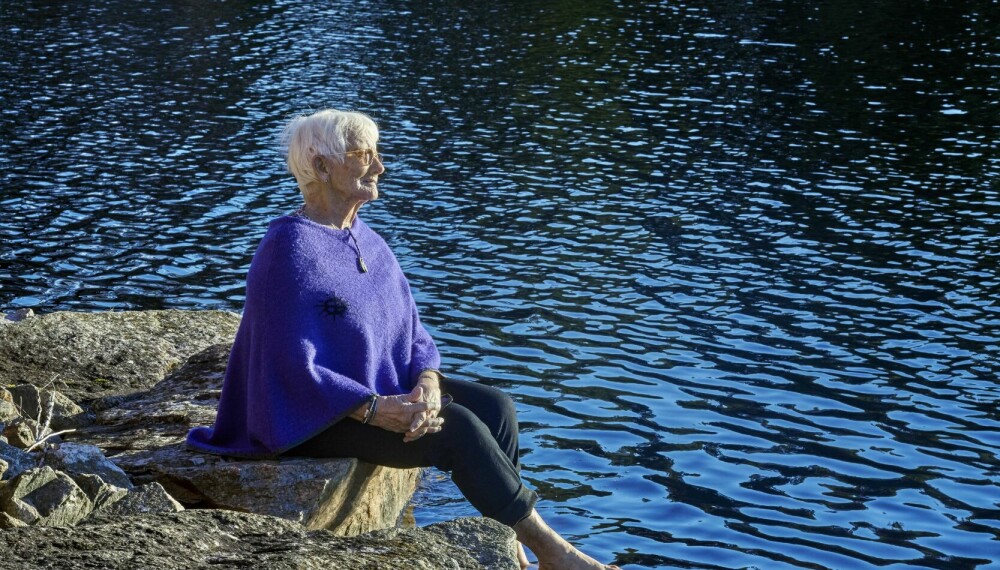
column 361, row 260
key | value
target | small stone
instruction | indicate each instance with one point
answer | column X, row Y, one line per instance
column 44, row 497
column 147, row 499
column 7, row 521
column 16, row 459
column 8, row 411
column 38, row 404
column 20, row 315
column 20, row 434
column 100, row 493
column 82, row 458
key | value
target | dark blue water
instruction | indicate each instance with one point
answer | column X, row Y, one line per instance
column 735, row 261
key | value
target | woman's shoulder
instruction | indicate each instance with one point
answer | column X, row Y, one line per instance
column 289, row 230
column 286, row 225
column 360, row 228
column 285, row 238
column 283, row 254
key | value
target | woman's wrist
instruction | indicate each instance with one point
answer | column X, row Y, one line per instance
column 430, row 375
column 371, row 411
column 365, row 409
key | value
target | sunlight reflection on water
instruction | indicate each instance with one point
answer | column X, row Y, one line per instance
column 737, row 265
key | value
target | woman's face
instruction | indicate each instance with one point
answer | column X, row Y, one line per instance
column 356, row 178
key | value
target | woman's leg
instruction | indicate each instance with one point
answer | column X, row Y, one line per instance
column 553, row 552
column 482, row 456
column 497, row 411
column 465, row 448
column 494, row 408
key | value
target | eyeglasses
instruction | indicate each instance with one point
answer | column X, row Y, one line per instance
column 367, row 155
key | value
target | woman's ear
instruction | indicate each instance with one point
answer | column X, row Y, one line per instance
column 320, row 167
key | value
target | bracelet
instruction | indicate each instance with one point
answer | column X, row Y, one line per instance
column 370, row 413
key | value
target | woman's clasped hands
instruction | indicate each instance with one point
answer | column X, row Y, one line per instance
column 414, row 414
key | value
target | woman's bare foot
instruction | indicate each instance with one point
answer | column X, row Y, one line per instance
column 575, row 560
column 553, row 552
column 522, row 557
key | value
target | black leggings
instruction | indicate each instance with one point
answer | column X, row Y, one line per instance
column 478, row 445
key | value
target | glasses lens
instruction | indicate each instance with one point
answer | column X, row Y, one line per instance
column 366, row 156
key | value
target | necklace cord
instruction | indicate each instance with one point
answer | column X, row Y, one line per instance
column 301, row 213
column 361, row 260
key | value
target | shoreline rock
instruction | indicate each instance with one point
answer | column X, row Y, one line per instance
column 89, row 355
column 144, row 435
column 144, row 379
column 208, row 538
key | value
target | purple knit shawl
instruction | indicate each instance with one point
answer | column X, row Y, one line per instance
column 317, row 339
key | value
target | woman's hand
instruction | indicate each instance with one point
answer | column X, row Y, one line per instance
column 429, row 386
column 399, row 414
column 431, row 383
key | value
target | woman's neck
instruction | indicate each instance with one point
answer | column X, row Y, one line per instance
column 337, row 216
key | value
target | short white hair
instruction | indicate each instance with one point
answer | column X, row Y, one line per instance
column 324, row 133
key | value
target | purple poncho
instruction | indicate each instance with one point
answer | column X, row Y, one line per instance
column 318, row 338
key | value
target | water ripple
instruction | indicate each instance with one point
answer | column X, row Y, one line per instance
column 737, row 265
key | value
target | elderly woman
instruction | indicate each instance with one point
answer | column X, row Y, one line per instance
column 331, row 359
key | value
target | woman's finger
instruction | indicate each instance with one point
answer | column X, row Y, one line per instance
column 414, row 435
column 433, row 425
column 418, row 420
column 416, row 407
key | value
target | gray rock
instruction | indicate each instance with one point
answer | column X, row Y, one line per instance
column 212, row 538
column 22, row 433
column 17, row 460
column 492, row 544
column 19, row 315
column 44, row 497
column 100, row 493
column 8, row 411
column 144, row 435
column 146, row 499
column 89, row 355
column 7, row 521
column 48, row 407
column 85, row 458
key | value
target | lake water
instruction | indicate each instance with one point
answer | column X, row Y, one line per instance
column 737, row 262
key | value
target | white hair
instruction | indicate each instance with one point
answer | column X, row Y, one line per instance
column 324, row 133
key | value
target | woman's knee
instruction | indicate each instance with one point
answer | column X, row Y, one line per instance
column 461, row 426
column 505, row 407
column 491, row 404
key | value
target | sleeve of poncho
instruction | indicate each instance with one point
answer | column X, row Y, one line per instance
column 424, row 353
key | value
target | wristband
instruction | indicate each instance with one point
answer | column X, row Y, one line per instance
column 370, row 413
